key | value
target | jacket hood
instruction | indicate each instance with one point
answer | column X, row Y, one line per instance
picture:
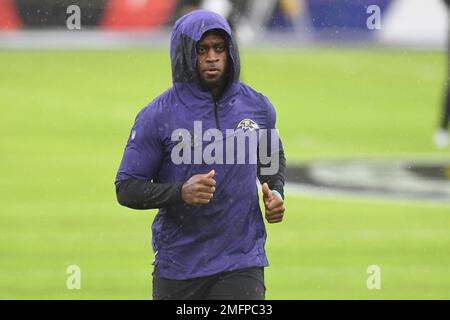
column 187, row 31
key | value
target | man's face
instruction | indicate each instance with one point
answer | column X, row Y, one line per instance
column 212, row 59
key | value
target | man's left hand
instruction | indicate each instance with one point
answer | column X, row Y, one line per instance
column 274, row 205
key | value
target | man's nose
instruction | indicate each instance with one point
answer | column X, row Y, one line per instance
column 212, row 56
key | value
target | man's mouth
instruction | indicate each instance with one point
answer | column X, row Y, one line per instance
column 212, row 71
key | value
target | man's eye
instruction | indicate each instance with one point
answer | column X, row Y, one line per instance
column 220, row 48
column 201, row 50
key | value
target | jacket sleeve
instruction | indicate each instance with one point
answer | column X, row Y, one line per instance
column 140, row 164
column 276, row 180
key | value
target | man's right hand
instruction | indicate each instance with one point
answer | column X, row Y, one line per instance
column 199, row 189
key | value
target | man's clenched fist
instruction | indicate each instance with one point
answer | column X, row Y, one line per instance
column 274, row 205
column 199, row 189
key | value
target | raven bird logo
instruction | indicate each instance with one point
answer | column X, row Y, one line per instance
column 248, row 124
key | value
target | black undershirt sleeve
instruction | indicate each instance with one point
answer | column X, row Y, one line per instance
column 276, row 181
column 142, row 194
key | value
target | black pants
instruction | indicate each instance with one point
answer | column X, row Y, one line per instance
column 243, row 284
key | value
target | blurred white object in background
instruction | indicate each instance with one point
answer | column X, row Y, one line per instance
column 418, row 23
column 440, row 138
column 254, row 23
column 222, row 7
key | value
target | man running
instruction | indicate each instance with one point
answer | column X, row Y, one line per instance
column 209, row 234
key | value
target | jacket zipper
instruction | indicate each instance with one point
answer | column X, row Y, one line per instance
column 216, row 116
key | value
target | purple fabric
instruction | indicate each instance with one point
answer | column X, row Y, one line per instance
column 228, row 233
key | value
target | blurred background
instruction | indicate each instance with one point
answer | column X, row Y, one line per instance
column 359, row 88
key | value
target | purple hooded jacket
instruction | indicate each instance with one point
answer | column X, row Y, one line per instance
column 229, row 232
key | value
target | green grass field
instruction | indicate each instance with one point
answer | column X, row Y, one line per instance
column 65, row 118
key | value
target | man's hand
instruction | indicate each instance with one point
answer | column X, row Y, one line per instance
column 199, row 189
column 274, row 205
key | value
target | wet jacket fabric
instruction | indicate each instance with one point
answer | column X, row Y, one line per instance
column 228, row 233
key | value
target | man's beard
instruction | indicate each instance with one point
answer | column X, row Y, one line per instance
column 219, row 83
